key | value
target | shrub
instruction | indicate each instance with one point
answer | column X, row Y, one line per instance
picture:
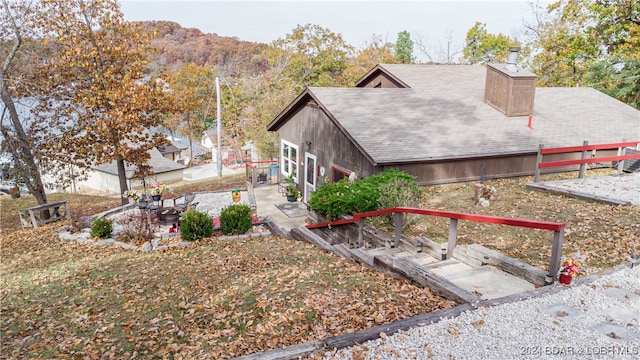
column 235, row 219
column 195, row 225
column 132, row 227
column 101, row 228
column 400, row 192
column 348, row 198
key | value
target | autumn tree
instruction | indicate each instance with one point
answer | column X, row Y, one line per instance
column 376, row 51
column 93, row 98
column 15, row 18
column 404, row 48
column 484, row 47
column 312, row 56
column 589, row 43
column 193, row 95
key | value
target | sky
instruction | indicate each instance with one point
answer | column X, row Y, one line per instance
column 356, row 21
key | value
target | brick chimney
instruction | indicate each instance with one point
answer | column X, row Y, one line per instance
column 510, row 89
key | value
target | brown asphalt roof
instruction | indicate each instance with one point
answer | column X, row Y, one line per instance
column 444, row 116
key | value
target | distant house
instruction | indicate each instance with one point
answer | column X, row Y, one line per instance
column 103, row 179
column 172, row 151
column 441, row 123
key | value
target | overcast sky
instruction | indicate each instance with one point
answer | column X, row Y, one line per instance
column 357, row 21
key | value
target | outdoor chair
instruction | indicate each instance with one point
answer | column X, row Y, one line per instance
column 184, row 201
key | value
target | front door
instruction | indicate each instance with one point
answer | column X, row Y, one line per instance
column 311, row 175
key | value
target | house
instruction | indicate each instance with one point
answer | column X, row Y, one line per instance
column 103, row 179
column 172, row 151
column 441, row 123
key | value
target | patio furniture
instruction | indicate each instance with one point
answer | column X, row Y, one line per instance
column 33, row 216
column 184, row 201
column 168, row 215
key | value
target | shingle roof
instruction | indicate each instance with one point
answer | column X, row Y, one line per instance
column 444, row 115
column 159, row 164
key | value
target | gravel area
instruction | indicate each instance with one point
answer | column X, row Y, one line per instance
column 212, row 203
column 597, row 320
column 624, row 188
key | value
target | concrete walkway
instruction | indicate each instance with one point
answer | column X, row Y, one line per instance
column 267, row 197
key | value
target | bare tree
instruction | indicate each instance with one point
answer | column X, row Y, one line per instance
column 15, row 138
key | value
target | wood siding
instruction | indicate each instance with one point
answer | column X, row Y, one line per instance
column 328, row 143
column 381, row 80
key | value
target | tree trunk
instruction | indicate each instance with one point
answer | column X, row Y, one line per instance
column 122, row 177
column 24, row 161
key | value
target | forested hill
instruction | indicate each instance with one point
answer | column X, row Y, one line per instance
column 178, row 46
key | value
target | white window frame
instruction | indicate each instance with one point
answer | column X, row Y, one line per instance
column 286, row 160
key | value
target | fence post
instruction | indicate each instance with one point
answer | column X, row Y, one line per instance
column 453, row 234
column 621, row 151
column 556, row 253
column 397, row 219
column 360, row 230
column 536, row 177
column 584, row 156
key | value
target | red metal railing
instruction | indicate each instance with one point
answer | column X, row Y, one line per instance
column 557, row 228
column 584, row 160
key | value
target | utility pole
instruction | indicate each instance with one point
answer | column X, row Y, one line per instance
column 219, row 126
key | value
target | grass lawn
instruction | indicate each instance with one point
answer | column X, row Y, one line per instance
column 220, row 299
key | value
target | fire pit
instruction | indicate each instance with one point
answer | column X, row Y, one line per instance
column 168, row 215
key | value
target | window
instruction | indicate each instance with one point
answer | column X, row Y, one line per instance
column 338, row 174
column 289, row 159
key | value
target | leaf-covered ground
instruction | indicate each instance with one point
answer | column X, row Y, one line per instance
column 219, row 299
column 216, row 299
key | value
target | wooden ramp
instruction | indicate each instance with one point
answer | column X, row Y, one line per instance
column 473, row 273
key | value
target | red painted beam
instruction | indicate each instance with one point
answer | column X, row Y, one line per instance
column 549, row 164
column 532, row 224
column 569, row 149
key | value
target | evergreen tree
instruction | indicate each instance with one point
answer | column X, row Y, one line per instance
column 404, row 48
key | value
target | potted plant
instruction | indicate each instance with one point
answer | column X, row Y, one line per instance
column 570, row 267
column 292, row 191
column 157, row 190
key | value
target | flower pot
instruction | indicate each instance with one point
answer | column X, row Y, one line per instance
column 14, row 192
column 156, row 197
column 291, row 198
column 235, row 196
column 565, row 279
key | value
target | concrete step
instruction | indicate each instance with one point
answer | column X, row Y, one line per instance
column 487, row 281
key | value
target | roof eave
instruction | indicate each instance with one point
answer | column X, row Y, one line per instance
column 283, row 116
column 460, row 157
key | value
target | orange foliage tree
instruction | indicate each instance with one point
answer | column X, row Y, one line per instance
column 93, row 96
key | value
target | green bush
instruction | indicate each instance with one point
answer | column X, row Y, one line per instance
column 195, row 225
column 400, row 192
column 101, row 228
column 235, row 219
column 348, row 198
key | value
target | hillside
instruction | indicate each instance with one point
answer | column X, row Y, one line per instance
column 178, row 46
